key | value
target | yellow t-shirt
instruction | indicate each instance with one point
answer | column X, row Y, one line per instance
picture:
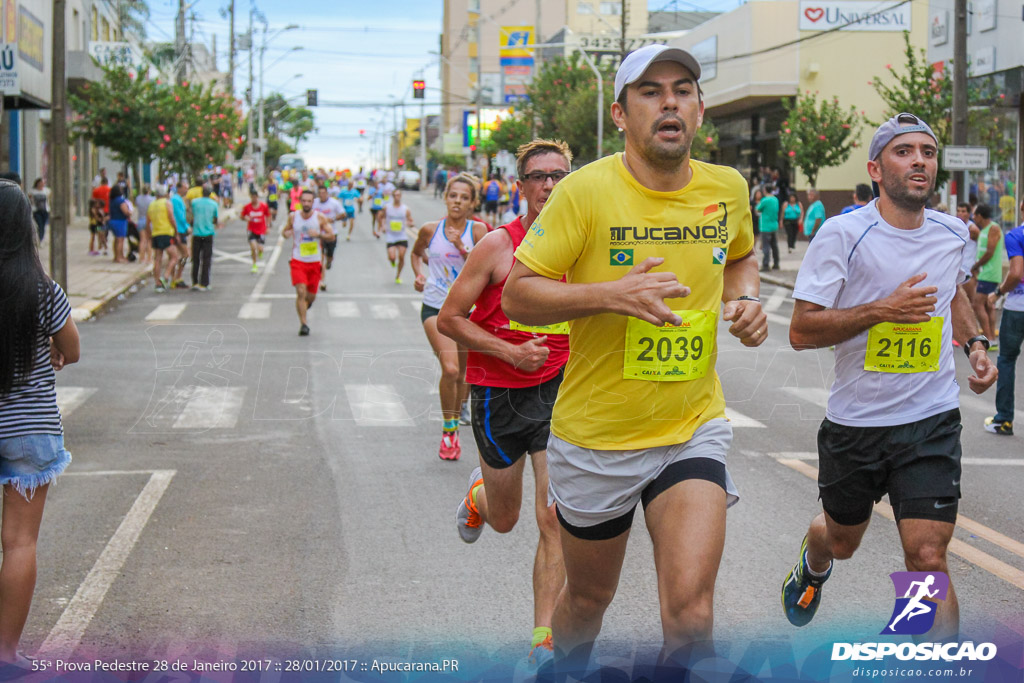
column 156, row 214
column 194, row 193
column 596, row 225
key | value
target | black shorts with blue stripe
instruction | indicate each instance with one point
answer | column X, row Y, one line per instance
column 509, row 423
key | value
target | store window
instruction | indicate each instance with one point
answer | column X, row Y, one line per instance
column 95, row 24
column 996, row 185
column 611, row 8
column 584, row 8
column 106, row 30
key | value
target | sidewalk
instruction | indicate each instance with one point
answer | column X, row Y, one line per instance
column 95, row 281
column 789, row 263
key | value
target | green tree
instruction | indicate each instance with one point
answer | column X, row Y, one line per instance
column 198, row 126
column 512, row 132
column 705, row 142
column 818, row 134
column 132, row 16
column 117, row 112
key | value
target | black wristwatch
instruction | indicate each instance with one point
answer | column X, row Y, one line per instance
column 970, row 342
column 747, row 298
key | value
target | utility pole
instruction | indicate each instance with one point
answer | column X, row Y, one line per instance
column 261, row 165
column 625, row 23
column 960, row 90
column 231, row 49
column 179, row 44
column 248, row 138
column 537, row 40
column 423, row 144
column 60, row 175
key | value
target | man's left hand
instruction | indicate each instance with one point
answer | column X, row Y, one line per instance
column 985, row 373
column 750, row 324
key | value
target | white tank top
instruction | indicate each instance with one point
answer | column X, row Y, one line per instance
column 445, row 264
column 394, row 223
column 305, row 247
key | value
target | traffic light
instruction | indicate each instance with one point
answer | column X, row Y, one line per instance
column 401, row 162
column 362, row 132
column 311, row 97
column 418, row 88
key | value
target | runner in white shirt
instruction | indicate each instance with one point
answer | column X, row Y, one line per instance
column 333, row 211
column 392, row 222
column 881, row 285
column 306, row 227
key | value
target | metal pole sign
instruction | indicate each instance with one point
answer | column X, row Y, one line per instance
column 963, row 158
column 10, row 82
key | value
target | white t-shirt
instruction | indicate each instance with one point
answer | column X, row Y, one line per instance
column 857, row 258
column 331, row 208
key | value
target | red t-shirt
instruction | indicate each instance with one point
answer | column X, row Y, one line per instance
column 102, row 192
column 257, row 217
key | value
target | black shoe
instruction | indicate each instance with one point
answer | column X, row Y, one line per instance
column 304, row 331
column 776, row 268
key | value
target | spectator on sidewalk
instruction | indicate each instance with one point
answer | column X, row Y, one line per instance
column 1011, row 333
column 37, row 338
column 120, row 211
column 791, row 214
column 122, row 182
column 180, row 207
column 40, row 196
column 815, row 214
column 964, row 213
column 204, row 226
column 988, row 270
column 862, row 194
column 160, row 216
column 768, row 224
column 98, row 178
column 101, row 193
column 142, row 203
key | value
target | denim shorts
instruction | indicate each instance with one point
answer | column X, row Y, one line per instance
column 30, row 461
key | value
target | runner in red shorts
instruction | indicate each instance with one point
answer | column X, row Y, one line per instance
column 306, row 227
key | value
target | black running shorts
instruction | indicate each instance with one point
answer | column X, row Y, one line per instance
column 917, row 464
column 509, row 423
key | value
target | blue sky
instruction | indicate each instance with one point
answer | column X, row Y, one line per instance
column 352, row 51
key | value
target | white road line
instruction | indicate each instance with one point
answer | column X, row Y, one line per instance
column 68, row 632
column 776, row 318
column 740, row 421
column 240, row 256
column 350, row 295
column 792, row 455
column 255, row 310
column 69, row 398
column 211, row 407
column 416, row 305
column 103, row 473
column 166, row 312
column 775, row 301
column 343, row 309
column 815, row 395
column 987, row 405
column 388, row 311
column 261, row 283
column 377, row 405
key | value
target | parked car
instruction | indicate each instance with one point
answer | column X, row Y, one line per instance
column 408, row 180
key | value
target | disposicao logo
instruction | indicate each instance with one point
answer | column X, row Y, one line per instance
column 621, row 257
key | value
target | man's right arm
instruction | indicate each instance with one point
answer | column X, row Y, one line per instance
column 813, row 326
column 533, row 299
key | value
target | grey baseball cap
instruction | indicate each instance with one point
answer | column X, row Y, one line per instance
column 900, row 124
column 637, row 62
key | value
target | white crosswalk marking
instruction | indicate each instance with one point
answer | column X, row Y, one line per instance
column 377, row 405
column 166, row 312
column 211, row 407
column 416, row 305
column 815, row 395
column 69, row 398
column 343, row 309
column 986, row 405
column 741, row 421
column 254, row 310
column 775, row 300
column 388, row 311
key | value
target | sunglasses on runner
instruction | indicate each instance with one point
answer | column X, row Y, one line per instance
column 540, row 177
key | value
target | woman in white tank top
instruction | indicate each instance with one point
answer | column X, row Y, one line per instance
column 392, row 222
column 443, row 245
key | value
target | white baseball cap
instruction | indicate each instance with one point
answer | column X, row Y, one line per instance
column 637, row 62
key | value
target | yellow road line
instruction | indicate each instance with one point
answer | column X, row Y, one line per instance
column 993, row 565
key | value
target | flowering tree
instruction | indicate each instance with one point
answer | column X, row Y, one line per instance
column 115, row 113
column 818, row 134
column 197, row 126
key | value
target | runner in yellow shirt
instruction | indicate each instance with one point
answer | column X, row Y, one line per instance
column 651, row 244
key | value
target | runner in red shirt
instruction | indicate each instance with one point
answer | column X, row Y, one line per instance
column 257, row 214
column 514, row 372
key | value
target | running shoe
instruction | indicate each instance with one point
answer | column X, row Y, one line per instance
column 998, row 426
column 195, row 288
column 398, row 280
column 450, row 448
column 304, row 331
column 94, row 253
column 160, row 289
column 801, row 592
column 542, row 655
column 180, row 284
column 994, row 346
column 467, row 518
column 255, row 268
column 323, row 286
column 465, row 418
column 165, row 282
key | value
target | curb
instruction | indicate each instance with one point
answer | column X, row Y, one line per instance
column 94, row 307
column 777, row 281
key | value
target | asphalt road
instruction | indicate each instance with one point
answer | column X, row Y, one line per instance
column 238, row 490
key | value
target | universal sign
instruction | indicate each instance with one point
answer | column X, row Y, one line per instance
column 850, row 15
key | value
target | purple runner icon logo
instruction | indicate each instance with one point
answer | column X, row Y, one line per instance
column 917, row 594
